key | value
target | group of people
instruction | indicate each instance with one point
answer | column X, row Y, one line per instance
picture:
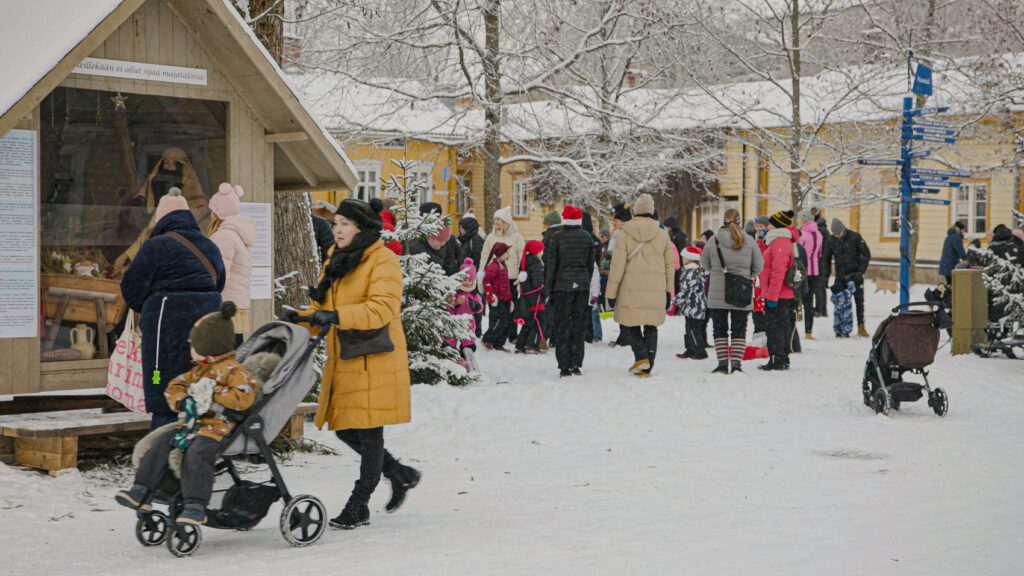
column 192, row 292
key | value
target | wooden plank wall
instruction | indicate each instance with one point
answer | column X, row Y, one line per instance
column 154, row 34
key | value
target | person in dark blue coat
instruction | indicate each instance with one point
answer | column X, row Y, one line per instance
column 953, row 251
column 171, row 287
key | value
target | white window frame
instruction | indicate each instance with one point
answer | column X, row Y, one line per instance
column 889, row 205
column 463, row 193
column 423, row 172
column 369, row 176
column 712, row 211
column 521, row 198
column 970, row 215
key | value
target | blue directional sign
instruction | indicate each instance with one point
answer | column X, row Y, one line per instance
column 922, row 80
column 925, row 190
column 935, row 131
column 879, row 162
column 920, row 153
column 925, row 111
column 914, row 171
column 930, row 123
column 930, row 138
column 941, row 183
column 935, row 201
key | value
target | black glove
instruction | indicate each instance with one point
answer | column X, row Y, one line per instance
column 611, row 303
column 324, row 318
column 291, row 316
column 668, row 300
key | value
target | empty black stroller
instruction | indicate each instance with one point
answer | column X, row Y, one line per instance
column 904, row 343
column 287, row 356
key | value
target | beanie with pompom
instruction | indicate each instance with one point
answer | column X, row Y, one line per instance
column 227, row 201
column 214, row 334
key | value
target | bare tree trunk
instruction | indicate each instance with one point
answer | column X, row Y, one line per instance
column 795, row 197
column 492, row 111
column 294, row 248
column 913, row 211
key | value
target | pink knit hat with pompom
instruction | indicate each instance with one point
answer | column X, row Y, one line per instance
column 227, row 201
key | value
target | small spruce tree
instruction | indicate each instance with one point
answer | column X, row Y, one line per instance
column 426, row 290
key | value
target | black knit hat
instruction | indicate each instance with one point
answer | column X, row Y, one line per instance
column 428, row 207
column 781, row 219
column 623, row 211
column 214, row 334
column 361, row 213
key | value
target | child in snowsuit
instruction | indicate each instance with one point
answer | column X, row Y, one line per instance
column 842, row 300
column 498, row 291
column 692, row 302
column 466, row 302
column 217, row 383
column 532, row 295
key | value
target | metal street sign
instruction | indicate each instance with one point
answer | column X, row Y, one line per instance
column 935, row 201
column 930, row 123
column 925, row 111
column 936, row 172
column 879, row 162
column 935, row 131
column 920, row 153
column 922, row 80
column 929, row 138
column 925, row 190
column 939, row 183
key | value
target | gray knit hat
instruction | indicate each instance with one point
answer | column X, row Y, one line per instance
column 837, row 226
column 644, row 205
column 552, row 218
column 762, row 220
column 749, row 228
column 214, row 334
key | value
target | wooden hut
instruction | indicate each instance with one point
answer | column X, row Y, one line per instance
column 105, row 105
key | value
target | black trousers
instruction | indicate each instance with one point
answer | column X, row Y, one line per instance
column 758, row 319
column 529, row 334
column 499, row 328
column 820, row 294
column 791, row 328
column 571, row 328
column 858, row 299
column 778, row 322
column 644, row 340
column 810, row 305
column 197, row 467
column 727, row 323
column 551, row 318
column 696, row 334
column 373, row 460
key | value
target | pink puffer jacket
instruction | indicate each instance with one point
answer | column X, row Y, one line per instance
column 810, row 239
column 235, row 238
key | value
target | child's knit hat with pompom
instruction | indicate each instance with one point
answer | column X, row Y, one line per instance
column 214, row 334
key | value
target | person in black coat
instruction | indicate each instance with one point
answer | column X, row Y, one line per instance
column 594, row 333
column 852, row 257
column 471, row 242
column 442, row 248
column 324, row 236
column 171, row 287
column 533, row 293
column 824, row 270
column 569, row 261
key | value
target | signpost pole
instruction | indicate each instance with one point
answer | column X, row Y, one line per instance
column 905, row 195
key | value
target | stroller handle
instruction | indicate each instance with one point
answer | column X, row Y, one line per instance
column 911, row 304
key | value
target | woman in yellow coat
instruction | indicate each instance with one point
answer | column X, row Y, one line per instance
column 360, row 290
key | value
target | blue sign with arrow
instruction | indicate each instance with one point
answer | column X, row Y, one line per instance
column 879, row 162
column 922, row 80
column 923, row 153
column 942, row 183
column 930, row 123
column 930, row 138
column 914, row 171
column 925, row 111
column 933, row 201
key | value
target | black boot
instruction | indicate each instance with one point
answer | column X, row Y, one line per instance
column 353, row 516
column 723, row 368
column 405, row 479
column 771, row 365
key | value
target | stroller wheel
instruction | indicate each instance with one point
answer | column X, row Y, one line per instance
column 882, row 401
column 151, row 528
column 303, row 520
column 184, row 540
column 1010, row 353
column 939, row 402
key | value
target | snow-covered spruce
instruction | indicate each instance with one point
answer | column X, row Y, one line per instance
column 1004, row 279
column 425, row 292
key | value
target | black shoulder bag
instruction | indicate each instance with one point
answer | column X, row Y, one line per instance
column 739, row 291
column 356, row 343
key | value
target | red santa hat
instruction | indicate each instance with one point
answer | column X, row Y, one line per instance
column 533, row 247
column 572, row 216
column 691, row 254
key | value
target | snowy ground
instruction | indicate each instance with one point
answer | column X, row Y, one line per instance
column 685, row 472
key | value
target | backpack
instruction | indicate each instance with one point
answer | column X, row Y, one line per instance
column 796, row 274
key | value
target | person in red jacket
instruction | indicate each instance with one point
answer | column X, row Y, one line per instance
column 498, row 293
column 778, row 296
column 389, row 225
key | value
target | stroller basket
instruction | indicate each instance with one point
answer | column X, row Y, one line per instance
column 908, row 339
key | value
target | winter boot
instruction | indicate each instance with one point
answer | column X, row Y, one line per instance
column 808, row 336
column 565, row 373
column 640, row 366
column 862, row 332
column 353, row 516
column 723, row 368
column 576, row 372
column 771, row 365
column 194, row 514
column 685, row 355
column 722, row 352
column 136, row 498
column 404, row 479
column 736, row 355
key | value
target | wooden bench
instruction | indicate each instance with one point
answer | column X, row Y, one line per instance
column 49, row 441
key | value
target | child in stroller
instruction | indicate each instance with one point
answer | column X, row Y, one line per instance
column 269, row 375
column 904, row 343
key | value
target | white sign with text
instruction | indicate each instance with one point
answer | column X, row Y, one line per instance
column 141, row 71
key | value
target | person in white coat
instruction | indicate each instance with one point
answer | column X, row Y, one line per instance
column 235, row 235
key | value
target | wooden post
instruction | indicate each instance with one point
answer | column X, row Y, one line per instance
column 970, row 310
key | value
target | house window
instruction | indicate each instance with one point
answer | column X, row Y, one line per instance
column 972, row 208
column 891, row 212
column 520, row 199
column 712, row 212
column 463, row 193
column 369, row 184
column 423, row 175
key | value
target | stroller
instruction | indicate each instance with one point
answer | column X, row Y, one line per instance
column 1003, row 336
column 904, row 343
column 287, row 351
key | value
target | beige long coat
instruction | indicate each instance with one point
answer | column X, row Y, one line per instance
column 642, row 273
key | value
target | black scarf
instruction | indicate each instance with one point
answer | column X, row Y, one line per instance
column 343, row 261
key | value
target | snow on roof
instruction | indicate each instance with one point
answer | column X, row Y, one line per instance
column 36, row 35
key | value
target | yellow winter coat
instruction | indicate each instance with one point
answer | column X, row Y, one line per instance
column 369, row 391
column 642, row 273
